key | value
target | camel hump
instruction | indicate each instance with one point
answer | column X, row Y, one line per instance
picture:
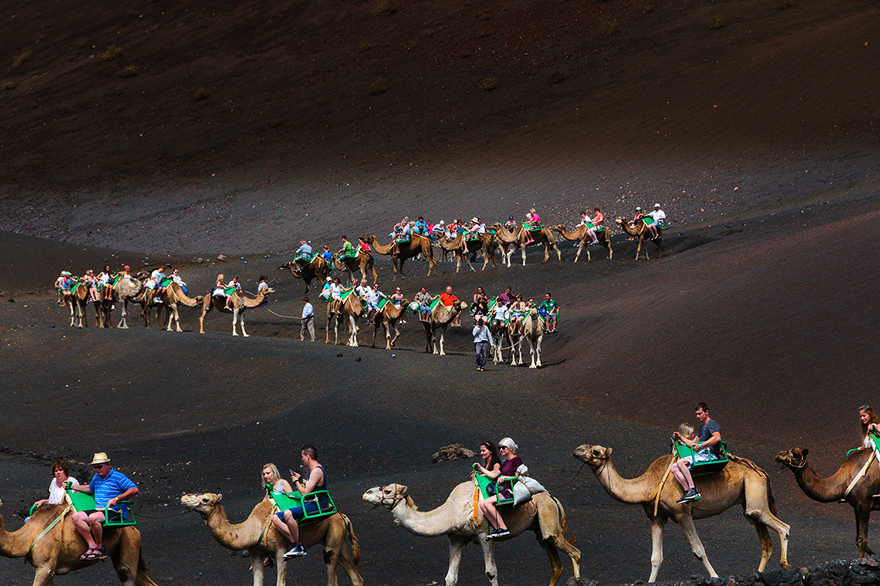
column 747, row 463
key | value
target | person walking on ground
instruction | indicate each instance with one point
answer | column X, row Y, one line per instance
column 706, row 448
column 482, row 341
column 307, row 322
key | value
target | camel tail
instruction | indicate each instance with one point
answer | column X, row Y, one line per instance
column 355, row 544
column 142, row 578
column 562, row 521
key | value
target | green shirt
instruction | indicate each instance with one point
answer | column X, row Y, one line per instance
column 549, row 306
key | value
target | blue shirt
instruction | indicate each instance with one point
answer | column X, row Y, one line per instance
column 105, row 489
column 305, row 249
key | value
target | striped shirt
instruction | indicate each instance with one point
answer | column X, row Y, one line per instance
column 105, row 489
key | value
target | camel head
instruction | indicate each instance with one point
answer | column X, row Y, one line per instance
column 388, row 495
column 592, row 456
column 268, row 291
column 200, row 503
column 794, row 458
column 286, row 265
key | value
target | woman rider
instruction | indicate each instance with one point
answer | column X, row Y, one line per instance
column 504, row 476
column 869, row 423
column 491, row 462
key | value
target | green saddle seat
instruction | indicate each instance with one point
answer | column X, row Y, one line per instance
column 648, row 220
column 315, row 505
column 165, row 282
column 81, row 501
column 484, row 482
column 304, row 258
column 229, row 290
column 874, row 437
column 403, row 238
column 594, row 227
column 700, row 468
column 434, row 303
column 348, row 255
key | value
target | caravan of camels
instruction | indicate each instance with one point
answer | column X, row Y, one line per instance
column 499, row 502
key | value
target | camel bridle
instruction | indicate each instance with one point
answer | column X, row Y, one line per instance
column 390, row 502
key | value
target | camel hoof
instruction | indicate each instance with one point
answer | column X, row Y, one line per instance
column 245, row 336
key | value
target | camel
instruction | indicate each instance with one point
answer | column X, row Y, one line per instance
column 418, row 245
column 533, row 331
column 79, row 301
column 455, row 518
column 171, row 297
column 580, row 235
column 834, row 488
column 518, row 237
column 640, row 231
column 240, row 304
column 124, row 290
column 58, row 551
column 317, row 269
column 352, row 309
column 740, row 482
column 362, row 261
column 515, row 337
column 485, row 243
column 258, row 535
column 438, row 322
column 388, row 317
column 498, row 332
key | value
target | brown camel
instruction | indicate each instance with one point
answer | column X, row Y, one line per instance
column 418, row 245
column 171, row 297
column 58, row 551
column 580, row 235
column 437, row 324
column 361, row 262
column 240, row 304
column 79, row 301
column 518, row 239
column 388, row 317
column 317, row 269
column 258, row 535
column 351, row 311
column 485, row 243
column 740, row 482
column 834, row 488
column 455, row 518
column 641, row 231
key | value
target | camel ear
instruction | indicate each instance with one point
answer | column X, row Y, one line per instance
column 804, row 452
column 402, row 490
column 608, row 452
column 219, row 497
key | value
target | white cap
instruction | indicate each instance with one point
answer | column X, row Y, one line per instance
column 638, row 209
column 441, row 222
column 656, row 205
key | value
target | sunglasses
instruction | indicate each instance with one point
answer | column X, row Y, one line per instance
column 98, row 466
column 501, row 448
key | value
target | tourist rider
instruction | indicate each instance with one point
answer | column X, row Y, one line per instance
column 109, row 487
column 533, row 222
column 372, row 298
column 517, row 313
column 421, row 226
column 304, row 249
column 335, row 295
column 505, row 475
column 62, row 476
column 362, row 290
column 347, row 250
column 219, row 286
column 499, row 314
column 707, row 447
column 236, row 287
column 63, row 284
column 424, row 299
column 869, row 423
column 491, row 464
column 482, row 341
column 175, row 277
column 659, row 217
column 550, row 310
column 397, row 300
column 262, row 284
column 363, row 246
column 105, row 279
column 271, row 475
column 636, row 217
column 91, row 282
column 510, row 224
column 326, row 254
column 286, row 521
column 481, row 302
column 506, row 298
column 448, row 300
column 597, row 220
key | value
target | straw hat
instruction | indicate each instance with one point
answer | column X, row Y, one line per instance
column 99, row 458
column 65, row 273
column 475, row 220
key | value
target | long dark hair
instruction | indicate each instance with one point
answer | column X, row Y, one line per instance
column 494, row 458
column 872, row 418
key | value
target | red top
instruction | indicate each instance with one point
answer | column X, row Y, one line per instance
column 448, row 300
column 599, row 219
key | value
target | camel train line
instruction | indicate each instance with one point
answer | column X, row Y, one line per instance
column 49, row 542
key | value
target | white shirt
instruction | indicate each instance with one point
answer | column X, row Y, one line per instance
column 262, row 286
column 500, row 311
column 178, row 280
column 658, row 215
column 157, row 276
column 308, row 311
column 56, row 493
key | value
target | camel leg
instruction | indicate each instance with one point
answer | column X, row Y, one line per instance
column 72, row 316
column 762, row 519
column 524, row 254
column 353, row 337
column 394, row 338
column 766, row 542
column 863, row 517
column 538, row 351
column 553, row 556
column 558, row 252
column 656, row 546
column 122, row 324
column 176, row 319
column 241, row 323
column 257, row 559
column 234, row 321
column 455, row 547
column 442, row 336
column 531, row 351
column 687, row 524
column 489, row 560
column 577, row 255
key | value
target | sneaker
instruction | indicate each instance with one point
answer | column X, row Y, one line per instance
column 695, row 496
column 687, row 496
column 499, row 533
column 296, row 551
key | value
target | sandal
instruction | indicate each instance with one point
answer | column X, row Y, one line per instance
column 93, row 553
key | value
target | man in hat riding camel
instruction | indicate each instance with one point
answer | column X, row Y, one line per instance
column 109, row 487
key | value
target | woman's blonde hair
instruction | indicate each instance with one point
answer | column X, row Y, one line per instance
column 275, row 473
column 685, row 430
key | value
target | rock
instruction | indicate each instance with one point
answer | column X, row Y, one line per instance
column 452, row 452
column 221, row 257
column 11, row 300
column 199, row 260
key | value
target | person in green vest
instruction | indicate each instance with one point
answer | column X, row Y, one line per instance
column 550, row 310
column 347, row 249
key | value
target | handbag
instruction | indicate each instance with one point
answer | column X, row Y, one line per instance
column 525, row 487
